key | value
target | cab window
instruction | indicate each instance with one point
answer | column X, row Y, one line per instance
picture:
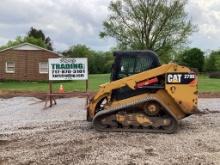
column 126, row 67
column 142, row 63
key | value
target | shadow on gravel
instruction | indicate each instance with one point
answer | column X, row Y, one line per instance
column 205, row 111
column 4, row 142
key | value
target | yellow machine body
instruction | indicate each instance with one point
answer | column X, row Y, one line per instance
column 179, row 99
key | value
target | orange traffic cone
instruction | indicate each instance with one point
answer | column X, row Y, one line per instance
column 61, row 89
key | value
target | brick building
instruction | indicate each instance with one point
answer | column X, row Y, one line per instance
column 25, row 62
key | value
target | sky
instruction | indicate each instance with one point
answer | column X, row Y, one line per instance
column 70, row 22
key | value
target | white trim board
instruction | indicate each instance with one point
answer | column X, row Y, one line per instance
column 28, row 46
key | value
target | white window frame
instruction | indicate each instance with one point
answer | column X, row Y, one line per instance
column 41, row 67
column 7, row 67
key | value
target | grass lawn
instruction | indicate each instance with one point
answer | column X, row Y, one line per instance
column 208, row 85
column 205, row 84
column 94, row 82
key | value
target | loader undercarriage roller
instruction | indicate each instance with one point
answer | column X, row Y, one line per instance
column 151, row 108
column 136, row 118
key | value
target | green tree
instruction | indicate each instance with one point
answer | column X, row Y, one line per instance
column 35, row 37
column 98, row 62
column 38, row 34
column 213, row 62
column 20, row 40
column 159, row 25
column 78, row 50
column 11, row 43
column 193, row 58
column 36, row 41
column 109, row 59
column 103, row 62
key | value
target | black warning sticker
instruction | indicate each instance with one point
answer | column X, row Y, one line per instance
column 180, row 78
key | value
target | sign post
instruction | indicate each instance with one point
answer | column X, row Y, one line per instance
column 61, row 69
column 50, row 89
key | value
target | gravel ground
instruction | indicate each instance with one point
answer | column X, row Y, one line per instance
column 60, row 135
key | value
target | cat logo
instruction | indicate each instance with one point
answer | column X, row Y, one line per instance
column 174, row 78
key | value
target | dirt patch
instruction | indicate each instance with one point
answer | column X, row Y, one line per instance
column 43, row 95
column 209, row 95
column 4, row 142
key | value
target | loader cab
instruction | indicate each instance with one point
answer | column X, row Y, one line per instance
column 128, row 63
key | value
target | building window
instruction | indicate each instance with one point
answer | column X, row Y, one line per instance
column 10, row 67
column 43, row 67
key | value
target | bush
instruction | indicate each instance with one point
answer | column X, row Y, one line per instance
column 214, row 75
column 192, row 58
column 211, row 63
column 99, row 62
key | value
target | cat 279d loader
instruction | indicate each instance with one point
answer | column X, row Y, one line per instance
column 143, row 95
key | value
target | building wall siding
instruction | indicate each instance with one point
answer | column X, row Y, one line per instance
column 26, row 64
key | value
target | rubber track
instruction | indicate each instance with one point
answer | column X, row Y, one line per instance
column 112, row 110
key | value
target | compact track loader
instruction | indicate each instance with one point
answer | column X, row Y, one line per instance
column 143, row 95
